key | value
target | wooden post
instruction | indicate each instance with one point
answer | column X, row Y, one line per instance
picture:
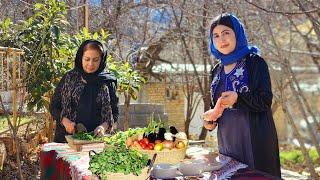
column 14, row 89
column 86, row 14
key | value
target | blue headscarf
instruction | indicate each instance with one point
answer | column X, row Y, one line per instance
column 242, row 48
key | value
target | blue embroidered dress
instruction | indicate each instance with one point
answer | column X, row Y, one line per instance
column 234, row 138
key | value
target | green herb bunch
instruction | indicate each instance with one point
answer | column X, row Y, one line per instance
column 119, row 139
column 154, row 125
column 118, row 159
column 84, row 136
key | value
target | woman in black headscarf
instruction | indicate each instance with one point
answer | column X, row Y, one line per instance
column 86, row 95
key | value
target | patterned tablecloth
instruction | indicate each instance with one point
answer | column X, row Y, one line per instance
column 59, row 161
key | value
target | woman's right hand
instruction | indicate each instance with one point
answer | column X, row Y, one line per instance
column 209, row 125
column 215, row 113
column 69, row 125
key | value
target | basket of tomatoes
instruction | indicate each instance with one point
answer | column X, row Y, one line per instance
column 170, row 147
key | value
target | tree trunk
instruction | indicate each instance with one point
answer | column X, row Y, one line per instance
column 126, row 110
column 205, row 57
column 309, row 126
column 301, row 142
column 204, row 131
column 16, row 142
column 186, row 126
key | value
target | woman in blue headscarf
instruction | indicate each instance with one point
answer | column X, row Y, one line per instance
column 241, row 91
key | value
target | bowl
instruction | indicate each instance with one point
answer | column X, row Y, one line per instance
column 165, row 171
column 213, row 166
column 214, row 163
column 193, row 167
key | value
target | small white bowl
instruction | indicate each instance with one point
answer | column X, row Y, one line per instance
column 165, row 171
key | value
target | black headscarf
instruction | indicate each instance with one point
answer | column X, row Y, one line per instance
column 89, row 112
column 100, row 74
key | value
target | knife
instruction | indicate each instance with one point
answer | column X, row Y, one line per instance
column 152, row 161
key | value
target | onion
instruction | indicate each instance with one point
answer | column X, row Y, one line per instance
column 181, row 135
column 168, row 136
column 168, row 144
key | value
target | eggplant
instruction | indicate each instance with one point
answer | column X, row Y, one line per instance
column 151, row 137
column 173, row 130
column 160, row 135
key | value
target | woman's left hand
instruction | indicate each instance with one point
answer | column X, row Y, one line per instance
column 101, row 130
column 229, row 98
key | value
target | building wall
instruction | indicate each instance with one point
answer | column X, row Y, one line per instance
column 155, row 92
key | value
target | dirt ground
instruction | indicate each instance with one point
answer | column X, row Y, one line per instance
column 29, row 155
column 30, row 168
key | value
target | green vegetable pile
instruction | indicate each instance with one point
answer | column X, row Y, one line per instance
column 119, row 139
column 84, row 136
column 118, row 159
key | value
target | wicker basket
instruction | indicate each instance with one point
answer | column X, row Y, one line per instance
column 172, row 156
column 120, row 176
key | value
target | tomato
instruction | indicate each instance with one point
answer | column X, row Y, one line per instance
column 143, row 146
column 151, row 146
column 141, row 142
column 136, row 144
column 145, row 140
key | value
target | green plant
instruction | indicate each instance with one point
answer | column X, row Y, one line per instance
column 119, row 139
column 117, row 159
column 49, row 49
column 130, row 81
column 129, row 84
column 296, row 156
column 84, row 136
column 154, row 125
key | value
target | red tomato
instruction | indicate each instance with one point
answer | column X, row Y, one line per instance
column 143, row 145
column 147, row 148
column 150, row 146
column 141, row 142
column 145, row 140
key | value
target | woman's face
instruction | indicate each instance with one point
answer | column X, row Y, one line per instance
column 224, row 39
column 91, row 60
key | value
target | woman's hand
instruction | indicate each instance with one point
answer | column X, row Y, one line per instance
column 229, row 98
column 209, row 125
column 69, row 125
column 210, row 115
column 101, row 130
column 215, row 113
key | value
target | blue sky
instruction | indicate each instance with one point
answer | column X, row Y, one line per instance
column 95, row 2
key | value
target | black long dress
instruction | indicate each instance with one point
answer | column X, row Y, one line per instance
column 247, row 132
